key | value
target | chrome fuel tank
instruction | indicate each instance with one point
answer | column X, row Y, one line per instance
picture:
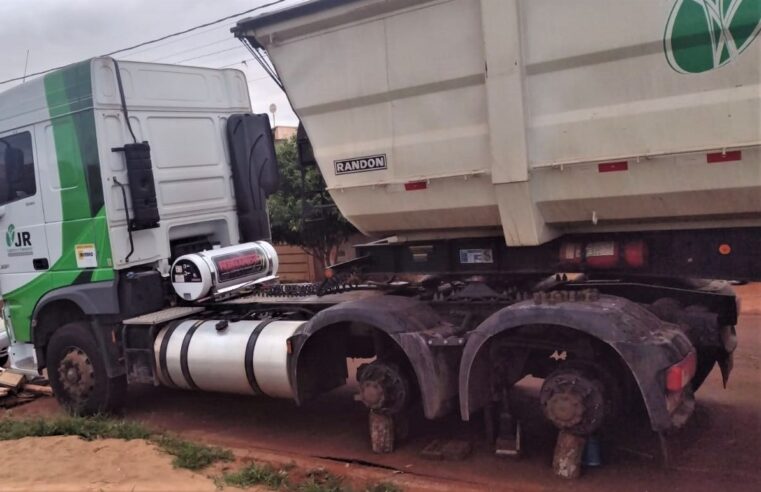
column 245, row 357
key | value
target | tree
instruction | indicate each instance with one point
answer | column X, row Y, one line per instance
column 302, row 213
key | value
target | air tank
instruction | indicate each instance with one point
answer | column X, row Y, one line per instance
column 221, row 270
column 245, row 357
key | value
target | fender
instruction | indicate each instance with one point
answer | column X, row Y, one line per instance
column 646, row 345
column 94, row 299
column 410, row 323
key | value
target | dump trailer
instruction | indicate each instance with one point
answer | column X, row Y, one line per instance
column 552, row 191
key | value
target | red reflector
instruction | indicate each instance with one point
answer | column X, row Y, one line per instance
column 415, row 185
column 610, row 167
column 715, row 157
column 681, row 373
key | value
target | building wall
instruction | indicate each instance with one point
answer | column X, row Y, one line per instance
column 296, row 265
column 281, row 133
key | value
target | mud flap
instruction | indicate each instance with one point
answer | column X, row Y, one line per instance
column 726, row 364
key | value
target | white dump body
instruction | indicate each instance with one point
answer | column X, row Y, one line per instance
column 533, row 117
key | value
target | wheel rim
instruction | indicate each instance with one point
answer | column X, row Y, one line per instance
column 77, row 374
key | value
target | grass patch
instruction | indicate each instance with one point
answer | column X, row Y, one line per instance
column 321, row 481
column 86, row 428
column 186, row 454
column 255, row 474
column 191, row 455
column 383, row 487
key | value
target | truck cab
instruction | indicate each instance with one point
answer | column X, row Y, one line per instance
column 108, row 171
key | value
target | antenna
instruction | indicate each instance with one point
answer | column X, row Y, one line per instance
column 26, row 66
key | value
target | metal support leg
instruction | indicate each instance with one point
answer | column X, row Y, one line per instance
column 508, row 442
column 490, row 428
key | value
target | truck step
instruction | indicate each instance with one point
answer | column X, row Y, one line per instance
column 27, row 366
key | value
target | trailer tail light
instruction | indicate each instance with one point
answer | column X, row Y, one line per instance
column 604, row 254
column 680, row 374
column 635, row 254
column 570, row 253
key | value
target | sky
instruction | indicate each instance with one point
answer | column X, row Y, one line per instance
column 59, row 32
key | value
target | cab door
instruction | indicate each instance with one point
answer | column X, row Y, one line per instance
column 23, row 246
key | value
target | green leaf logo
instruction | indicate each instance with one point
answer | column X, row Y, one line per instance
column 9, row 234
column 703, row 35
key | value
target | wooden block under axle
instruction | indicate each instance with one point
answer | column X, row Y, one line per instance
column 566, row 463
column 39, row 390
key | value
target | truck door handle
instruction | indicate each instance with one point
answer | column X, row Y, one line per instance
column 40, row 263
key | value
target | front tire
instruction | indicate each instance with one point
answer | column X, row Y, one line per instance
column 78, row 373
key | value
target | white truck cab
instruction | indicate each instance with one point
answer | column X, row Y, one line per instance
column 107, row 171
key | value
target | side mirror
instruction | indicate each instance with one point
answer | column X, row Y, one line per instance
column 255, row 172
column 252, row 149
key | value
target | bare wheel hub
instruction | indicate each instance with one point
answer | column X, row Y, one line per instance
column 383, row 387
column 574, row 401
column 77, row 374
column 566, row 409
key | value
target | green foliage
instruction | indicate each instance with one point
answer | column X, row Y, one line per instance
column 322, row 228
column 322, row 481
column 383, row 487
column 255, row 474
column 86, row 428
column 186, row 454
column 190, row 455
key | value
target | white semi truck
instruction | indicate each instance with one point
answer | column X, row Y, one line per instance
column 550, row 179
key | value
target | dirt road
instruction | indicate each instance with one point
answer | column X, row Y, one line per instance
column 720, row 449
column 71, row 464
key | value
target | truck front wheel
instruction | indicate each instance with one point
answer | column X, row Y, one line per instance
column 78, row 374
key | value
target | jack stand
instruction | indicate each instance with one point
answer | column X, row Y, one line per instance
column 569, row 449
column 381, row 432
column 509, row 438
column 490, row 426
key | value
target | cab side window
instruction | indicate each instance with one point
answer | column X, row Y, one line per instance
column 16, row 168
